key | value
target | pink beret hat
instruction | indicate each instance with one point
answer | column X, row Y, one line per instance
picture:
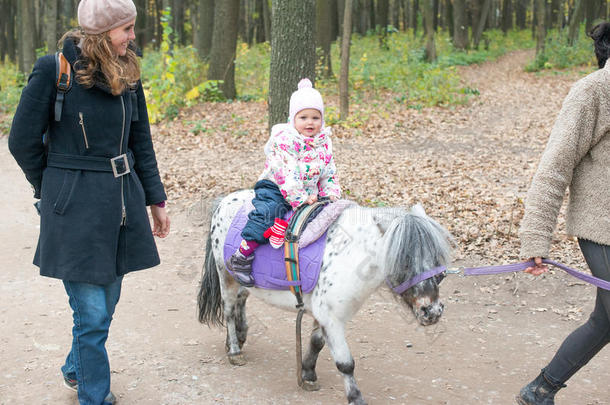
column 97, row 16
column 305, row 97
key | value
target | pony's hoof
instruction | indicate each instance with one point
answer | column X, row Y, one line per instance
column 310, row 385
column 237, row 359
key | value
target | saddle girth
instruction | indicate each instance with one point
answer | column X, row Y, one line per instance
column 291, row 244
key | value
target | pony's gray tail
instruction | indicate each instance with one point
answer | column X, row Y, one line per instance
column 209, row 299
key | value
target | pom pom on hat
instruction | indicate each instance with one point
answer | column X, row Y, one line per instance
column 305, row 83
column 98, row 16
column 305, row 97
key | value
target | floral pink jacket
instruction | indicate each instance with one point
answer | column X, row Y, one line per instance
column 300, row 165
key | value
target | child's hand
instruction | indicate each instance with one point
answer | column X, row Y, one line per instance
column 311, row 199
column 334, row 198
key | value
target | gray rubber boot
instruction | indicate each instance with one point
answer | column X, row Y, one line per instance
column 241, row 266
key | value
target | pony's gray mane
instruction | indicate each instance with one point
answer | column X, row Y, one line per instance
column 413, row 244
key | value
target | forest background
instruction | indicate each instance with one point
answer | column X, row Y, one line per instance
column 210, row 50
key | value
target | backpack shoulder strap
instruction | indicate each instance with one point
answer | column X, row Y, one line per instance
column 63, row 82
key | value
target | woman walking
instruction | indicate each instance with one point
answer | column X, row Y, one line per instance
column 94, row 174
column 577, row 156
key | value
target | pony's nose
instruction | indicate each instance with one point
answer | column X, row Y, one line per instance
column 432, row 310
column 425, row 311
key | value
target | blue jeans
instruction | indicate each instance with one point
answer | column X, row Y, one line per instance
column 93, row 306
column 268, row 204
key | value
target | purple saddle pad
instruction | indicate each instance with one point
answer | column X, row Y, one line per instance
column 268, row 268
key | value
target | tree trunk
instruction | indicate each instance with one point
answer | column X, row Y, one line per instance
column 259, row 22
column 293, row 52
column 591, row 9
column 178, row 22
column 141, row 22
column 430, row 52
column 460, row 25
column 267, row 20
column 478, row 33
column 205, row 28
column 520, row 13
column 28, row 40
column 435, row 13
column 382, row 14
column 540, row 26
column 11, row 44
column 67, row 14
column 50, row 24
column 345, row 48
column 577, row 16
column 243, row 22
column 507, row 16
column 395, row 13
column 448, row 17
column 323, row 33
column 224, row 42
column 3, row 31
column 414, row 17
column 406, row 14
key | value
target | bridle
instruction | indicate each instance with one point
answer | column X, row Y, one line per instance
column 438, row 273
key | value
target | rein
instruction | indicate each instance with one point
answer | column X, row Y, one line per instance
column 508, row 268
column 404, row 286
column 490, row 270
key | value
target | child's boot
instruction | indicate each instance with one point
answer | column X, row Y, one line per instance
column 541, row 391
column 241, row 266
column 241, row 263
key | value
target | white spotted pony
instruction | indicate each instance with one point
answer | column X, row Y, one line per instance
column 366, row 248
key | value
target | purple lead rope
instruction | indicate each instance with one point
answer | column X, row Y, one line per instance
column 507, row 268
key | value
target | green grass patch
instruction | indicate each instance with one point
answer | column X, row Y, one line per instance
column 559, row 55
column 11, row 84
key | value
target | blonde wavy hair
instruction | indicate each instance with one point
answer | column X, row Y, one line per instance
column 99, row 62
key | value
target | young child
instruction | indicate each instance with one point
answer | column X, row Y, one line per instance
column 299, row 168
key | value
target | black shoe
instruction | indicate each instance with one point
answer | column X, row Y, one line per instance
column 541, row 391
column 241, row 266
column 70, row 384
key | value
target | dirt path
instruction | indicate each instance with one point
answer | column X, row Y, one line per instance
column 469, row 165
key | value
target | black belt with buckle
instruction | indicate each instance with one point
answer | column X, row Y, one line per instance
column 119, row 165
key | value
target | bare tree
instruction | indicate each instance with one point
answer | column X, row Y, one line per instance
column 507, row 16
column 266, row 19
column 345, row 48
column 293, row 52
column 482, row 21
column 460, row 25
column 521, row 13
column 323, row 35
column 541, row 26
column 577, row 16
column 28, row 35
column 430, row 52
column 205, row 27
column 224, row 42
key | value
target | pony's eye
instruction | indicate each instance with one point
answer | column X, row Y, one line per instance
column 439, row 277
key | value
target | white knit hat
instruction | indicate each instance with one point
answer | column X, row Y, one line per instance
column 305, row 97
column 97, row 16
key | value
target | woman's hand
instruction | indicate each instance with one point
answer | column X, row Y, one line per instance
column 160, row 221
column 539, row 268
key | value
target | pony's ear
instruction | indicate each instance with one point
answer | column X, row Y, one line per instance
column 418, row 210
column 384, row 218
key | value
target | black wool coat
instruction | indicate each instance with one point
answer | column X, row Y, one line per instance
column 94, row 226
